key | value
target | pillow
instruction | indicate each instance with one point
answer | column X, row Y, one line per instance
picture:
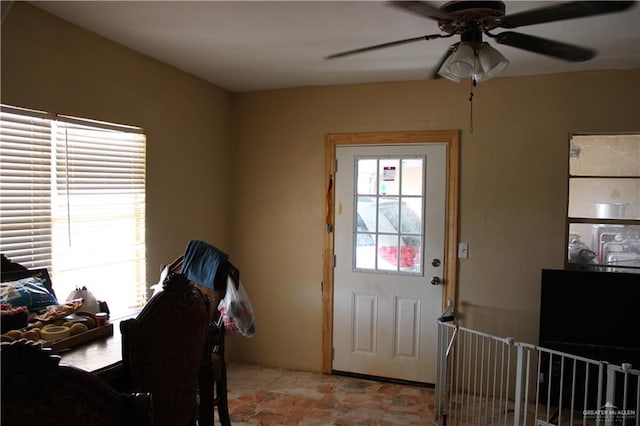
column 30, row 292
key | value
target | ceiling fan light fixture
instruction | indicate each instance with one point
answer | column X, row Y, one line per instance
column 492, row 61
column 470, row 61
column 446, row 73
column 461, row 62
column 479, row 73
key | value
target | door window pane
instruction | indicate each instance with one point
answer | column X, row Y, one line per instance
column 411, row 215
column 389, row 229
column 410, row 254
column 367, row 178
column 389, row 176
column 389, row 219
column 412, row 181
column 366, row 249
column 388, row 253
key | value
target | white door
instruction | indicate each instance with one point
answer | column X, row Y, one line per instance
column 389, row 246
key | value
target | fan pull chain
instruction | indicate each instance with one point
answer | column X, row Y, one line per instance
column 474, row 82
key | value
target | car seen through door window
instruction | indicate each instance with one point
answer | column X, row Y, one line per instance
column 389, row 234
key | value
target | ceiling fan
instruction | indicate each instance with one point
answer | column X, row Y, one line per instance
column 471, row 57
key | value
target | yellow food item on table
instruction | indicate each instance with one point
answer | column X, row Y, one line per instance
column 91, row 323
column 55, row 333
column 14, row 334
column 89, row 319
column 78, row 328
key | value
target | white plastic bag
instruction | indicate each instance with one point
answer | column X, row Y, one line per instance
column 236, row 310
column 157, row 288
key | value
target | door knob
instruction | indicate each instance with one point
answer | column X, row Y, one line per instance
column 436, row 281
column 435, row 263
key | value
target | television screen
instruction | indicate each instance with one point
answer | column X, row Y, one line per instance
column 587, row 309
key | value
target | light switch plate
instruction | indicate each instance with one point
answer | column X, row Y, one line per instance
column 463, row 250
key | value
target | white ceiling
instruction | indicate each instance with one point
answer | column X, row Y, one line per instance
column 257, row 45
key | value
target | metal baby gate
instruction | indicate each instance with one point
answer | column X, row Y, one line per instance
column 488, row 380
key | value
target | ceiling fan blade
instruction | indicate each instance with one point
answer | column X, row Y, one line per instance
column 434, row 74
column 424, row 9
column 382, row 46
column 545, row 46
column 562, row 11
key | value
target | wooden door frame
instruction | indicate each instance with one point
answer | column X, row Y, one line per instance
column 449, row 137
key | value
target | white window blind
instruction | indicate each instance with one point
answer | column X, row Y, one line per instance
column 25, row 188
column 73, row 200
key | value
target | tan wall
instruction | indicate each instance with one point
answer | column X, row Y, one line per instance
column 513, row 168
column 512, row 195
column 51, row 65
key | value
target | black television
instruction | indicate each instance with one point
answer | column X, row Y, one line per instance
column 591, row 314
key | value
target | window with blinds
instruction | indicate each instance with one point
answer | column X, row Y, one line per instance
column 72, row 195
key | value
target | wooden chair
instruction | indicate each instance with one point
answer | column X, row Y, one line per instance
column 38, row 391
column 163, row 350
column 213, row 375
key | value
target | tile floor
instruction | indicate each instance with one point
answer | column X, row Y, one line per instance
column 271, row 396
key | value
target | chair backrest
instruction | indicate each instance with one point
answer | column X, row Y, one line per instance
column 214, row 296
column 163, row 349
column 213, row 375
column 38, row 391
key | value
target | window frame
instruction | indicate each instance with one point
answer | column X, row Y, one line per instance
column 94, row 159
column 592, row 219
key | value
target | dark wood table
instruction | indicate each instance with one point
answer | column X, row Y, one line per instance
column 99, row 355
